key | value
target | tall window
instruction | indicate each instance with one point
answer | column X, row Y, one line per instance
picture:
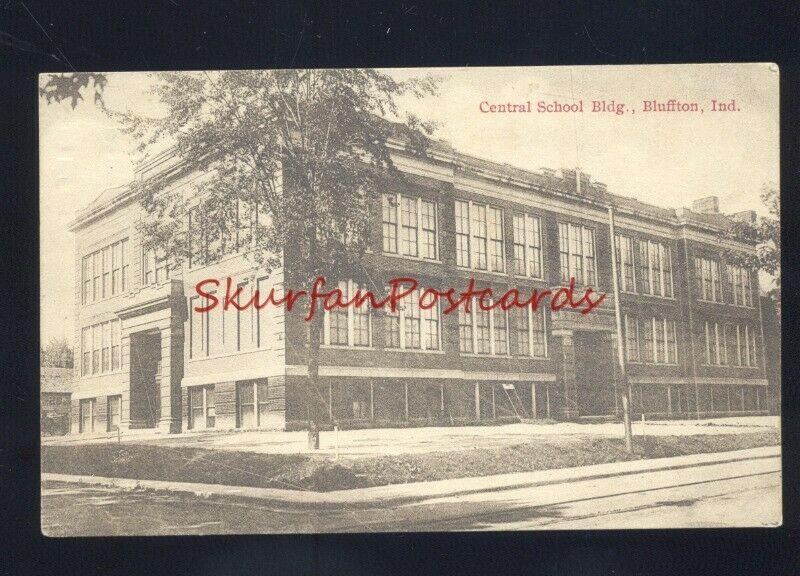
column 462, row 233
column 577, row 253
column 527, row 246
column 632, row 338
column 113, row 410
column 88, row 413
column 715, row 345
column 654, row 270
column 651, row 340
column 252, row 403
column 100, row 348
column 104, row 272
column 348, row 326
column 154, row 267
column 708, row 279
column 529, row 327
column 417, row 220
column 739, row 280
column 625, row 272
column 483, row 331
column 480, row 240
column 411, row 326
column 742, row 342
column 198, row 328
column 202, row 407
column 465, row 339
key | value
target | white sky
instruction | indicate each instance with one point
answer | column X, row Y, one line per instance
column 668, row 159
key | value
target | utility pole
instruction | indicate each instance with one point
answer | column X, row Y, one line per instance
column 625, row 389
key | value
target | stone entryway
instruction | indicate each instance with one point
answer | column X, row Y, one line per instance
column 594, row 373
column 145, row 367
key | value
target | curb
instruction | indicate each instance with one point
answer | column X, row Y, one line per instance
column 410, row 492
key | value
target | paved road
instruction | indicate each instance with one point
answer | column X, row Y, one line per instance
column 735, row 494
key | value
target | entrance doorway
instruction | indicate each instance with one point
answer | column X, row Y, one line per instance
column 145, row 362
column 594, row 373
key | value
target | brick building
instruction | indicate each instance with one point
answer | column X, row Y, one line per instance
column 692, row 324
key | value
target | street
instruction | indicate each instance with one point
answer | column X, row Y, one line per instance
column 743, row 493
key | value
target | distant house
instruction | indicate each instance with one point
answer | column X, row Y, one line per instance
column 55, row 394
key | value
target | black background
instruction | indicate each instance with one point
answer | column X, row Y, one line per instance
column 177, row 34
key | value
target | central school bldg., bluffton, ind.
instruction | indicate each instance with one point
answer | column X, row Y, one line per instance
column 692, row 327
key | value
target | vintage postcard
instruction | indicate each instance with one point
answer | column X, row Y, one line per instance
column 432, row 299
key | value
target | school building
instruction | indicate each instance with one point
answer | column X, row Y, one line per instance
column 692, row 326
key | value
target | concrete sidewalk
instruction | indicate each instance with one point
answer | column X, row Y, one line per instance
column 395, row 494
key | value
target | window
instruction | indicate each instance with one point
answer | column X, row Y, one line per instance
column 715, row 351
column 483, row 331
column 480, row 240
column 632, row 338
column 417, row 230
column 478, row 229
column 198, row 328
column 527, row 246
column 106, row 354
column 739, row 280
column 103, row 272
column 465, row 340
column 348, row 326
column 389, row 224
column 462, row 234
column 576, row 253
column 88, row 410
column 529, row 327
column 742, row 342
column 202, row 407
column 154, row 267
column 707, row 279
column 116, row 360
column 114, row 410
column 252, row 403
column 245, row 319
column 246, row 396
column 413, row 326
column 625, row 263
column 86, row 351
column 656, row 342
column 100, row 348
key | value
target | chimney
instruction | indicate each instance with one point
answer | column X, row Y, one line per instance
column 748, row 216
column 707, row 205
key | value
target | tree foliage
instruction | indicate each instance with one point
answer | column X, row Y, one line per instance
column 57, row 354
column 765, row 233
column 71, row 86
column 304, row 150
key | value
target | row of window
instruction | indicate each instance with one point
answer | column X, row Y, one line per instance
column 651, row 340
column 219, row 331
column 100, row 348
column 709, row 283
column 104, row 272
column 251, row 405
column 88, row 418
column 729, row 344
column 645, row 266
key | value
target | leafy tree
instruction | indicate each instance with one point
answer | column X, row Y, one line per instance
column 292, row 161
column 71, row 86
column 765, row 233
column 57, row 354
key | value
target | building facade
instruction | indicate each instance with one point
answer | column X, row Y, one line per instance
column 692, row 328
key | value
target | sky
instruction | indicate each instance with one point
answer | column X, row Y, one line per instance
column 667, row 159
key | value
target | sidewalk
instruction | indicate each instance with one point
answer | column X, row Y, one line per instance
column 395, row 494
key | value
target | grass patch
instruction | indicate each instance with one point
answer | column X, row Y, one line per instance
column 322, row 473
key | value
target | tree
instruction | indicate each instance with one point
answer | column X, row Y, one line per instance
column 292, row 159
column 57, row 354
column 765, row 233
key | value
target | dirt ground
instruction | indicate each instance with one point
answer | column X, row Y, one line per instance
column 369, row 443
column 324, row 472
